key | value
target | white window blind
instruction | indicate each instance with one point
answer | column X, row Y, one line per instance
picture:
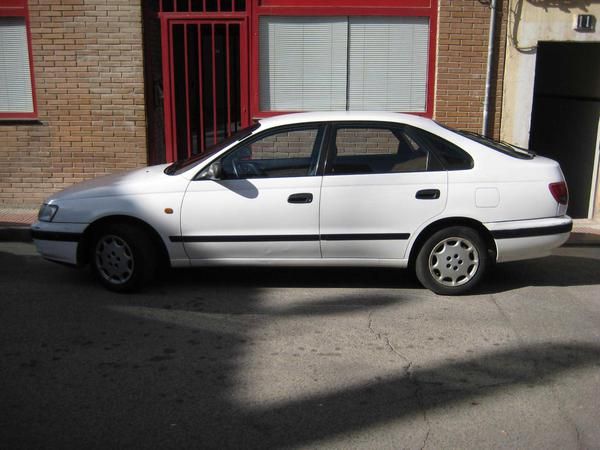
column 15, row 77
column 338, row 63
column 303, row 63
column 388, row 63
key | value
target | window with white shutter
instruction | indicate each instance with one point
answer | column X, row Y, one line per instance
column 302, row 64
column 343, row 63
column 16, row 86
column 387, row 67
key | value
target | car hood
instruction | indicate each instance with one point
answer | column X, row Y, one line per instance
column 145, row 180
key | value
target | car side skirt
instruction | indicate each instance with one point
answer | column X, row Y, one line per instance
column 301, row 262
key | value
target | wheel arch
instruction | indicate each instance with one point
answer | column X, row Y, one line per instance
column 446, row 222
column 94, row 227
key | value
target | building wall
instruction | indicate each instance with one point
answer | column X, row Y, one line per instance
column 463, row 35
column 89, row 76
column 90, row 93
column 529, row 23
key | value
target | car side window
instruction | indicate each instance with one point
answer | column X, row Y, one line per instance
column 285, row 153
column 451, row 156
column 361, row 150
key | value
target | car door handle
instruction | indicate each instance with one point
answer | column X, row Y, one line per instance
column 428, row 194
column 304, row 197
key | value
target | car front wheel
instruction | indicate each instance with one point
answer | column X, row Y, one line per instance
column 452, row 261
column 123, row 257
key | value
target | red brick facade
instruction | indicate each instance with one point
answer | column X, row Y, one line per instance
column 462, row 61
column 89, row 75
column 90, row 91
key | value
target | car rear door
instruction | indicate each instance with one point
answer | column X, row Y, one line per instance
column 380, row 185
column 265, row 204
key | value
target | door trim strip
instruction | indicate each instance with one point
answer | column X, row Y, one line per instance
column 293, row 237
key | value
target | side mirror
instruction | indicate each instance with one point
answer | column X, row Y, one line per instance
column 212, row 172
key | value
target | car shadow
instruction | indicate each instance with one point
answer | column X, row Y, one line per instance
column 552, row 271
column 164, row 368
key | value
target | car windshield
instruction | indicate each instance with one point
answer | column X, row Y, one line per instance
column 500, row 146
column 185, row 164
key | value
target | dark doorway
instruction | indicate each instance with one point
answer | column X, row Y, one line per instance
column 196, row 72
column 205, row 93
column 206, row 84
column 565, row 116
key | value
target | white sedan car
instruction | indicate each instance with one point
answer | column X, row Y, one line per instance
column 318, row 189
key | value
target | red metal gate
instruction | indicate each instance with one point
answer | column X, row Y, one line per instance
column 205, row 84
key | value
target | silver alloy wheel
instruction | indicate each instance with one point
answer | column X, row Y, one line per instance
column 453, row 261
column 114, row 259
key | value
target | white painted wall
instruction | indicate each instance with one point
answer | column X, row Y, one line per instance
column 528, row 23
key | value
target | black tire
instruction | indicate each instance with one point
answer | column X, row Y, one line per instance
column 123, row 257
column 452, row 261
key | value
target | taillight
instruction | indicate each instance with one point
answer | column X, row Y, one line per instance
column 560, row 192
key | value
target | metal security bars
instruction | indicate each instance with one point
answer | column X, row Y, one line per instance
column 202, row 5
column 207, row 95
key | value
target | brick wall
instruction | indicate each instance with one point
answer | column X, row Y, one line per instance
column 461, row 64
column 90, row 90
column 293, row 144
column 90, row 93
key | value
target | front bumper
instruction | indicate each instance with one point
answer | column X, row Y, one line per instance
column 58, row 241
column 526, row 239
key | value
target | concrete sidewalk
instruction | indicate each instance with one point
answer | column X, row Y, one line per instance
column 15, row 222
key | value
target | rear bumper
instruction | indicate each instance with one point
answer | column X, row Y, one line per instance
column 525, row 239
column 57, row 241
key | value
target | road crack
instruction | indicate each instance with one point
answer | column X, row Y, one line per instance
column 410, row 374
column 560, row 406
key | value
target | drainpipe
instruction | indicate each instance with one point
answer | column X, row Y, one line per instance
column 488, row 75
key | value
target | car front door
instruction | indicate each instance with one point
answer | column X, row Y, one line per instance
column 264, row 205
column 380, row 185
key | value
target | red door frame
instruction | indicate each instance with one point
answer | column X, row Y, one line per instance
column 249, row 44
column 167, row 20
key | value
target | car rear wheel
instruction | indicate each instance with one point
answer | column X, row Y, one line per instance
column 123, row 257
column 452, row 261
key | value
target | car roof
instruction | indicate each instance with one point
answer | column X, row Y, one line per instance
column 329, row 116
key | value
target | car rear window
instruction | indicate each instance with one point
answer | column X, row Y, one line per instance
column 451, row 156
column 499, row 146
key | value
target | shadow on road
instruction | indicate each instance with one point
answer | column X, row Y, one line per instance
column 552, row 271
column 86, row 368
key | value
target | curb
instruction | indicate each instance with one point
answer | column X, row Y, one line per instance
column 583, row 240
column 15, row 234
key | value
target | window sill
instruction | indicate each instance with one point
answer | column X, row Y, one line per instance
column 21, row 122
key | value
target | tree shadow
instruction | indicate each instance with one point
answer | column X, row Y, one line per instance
column 412, row 393
column 86, row 368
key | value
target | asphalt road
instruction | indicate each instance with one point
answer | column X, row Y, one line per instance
column 298, row 358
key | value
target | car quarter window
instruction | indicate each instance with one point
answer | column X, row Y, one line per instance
column 375, row 149
column 451, row 156
column 275, row 154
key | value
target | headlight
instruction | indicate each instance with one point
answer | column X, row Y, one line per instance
column 47, row 213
